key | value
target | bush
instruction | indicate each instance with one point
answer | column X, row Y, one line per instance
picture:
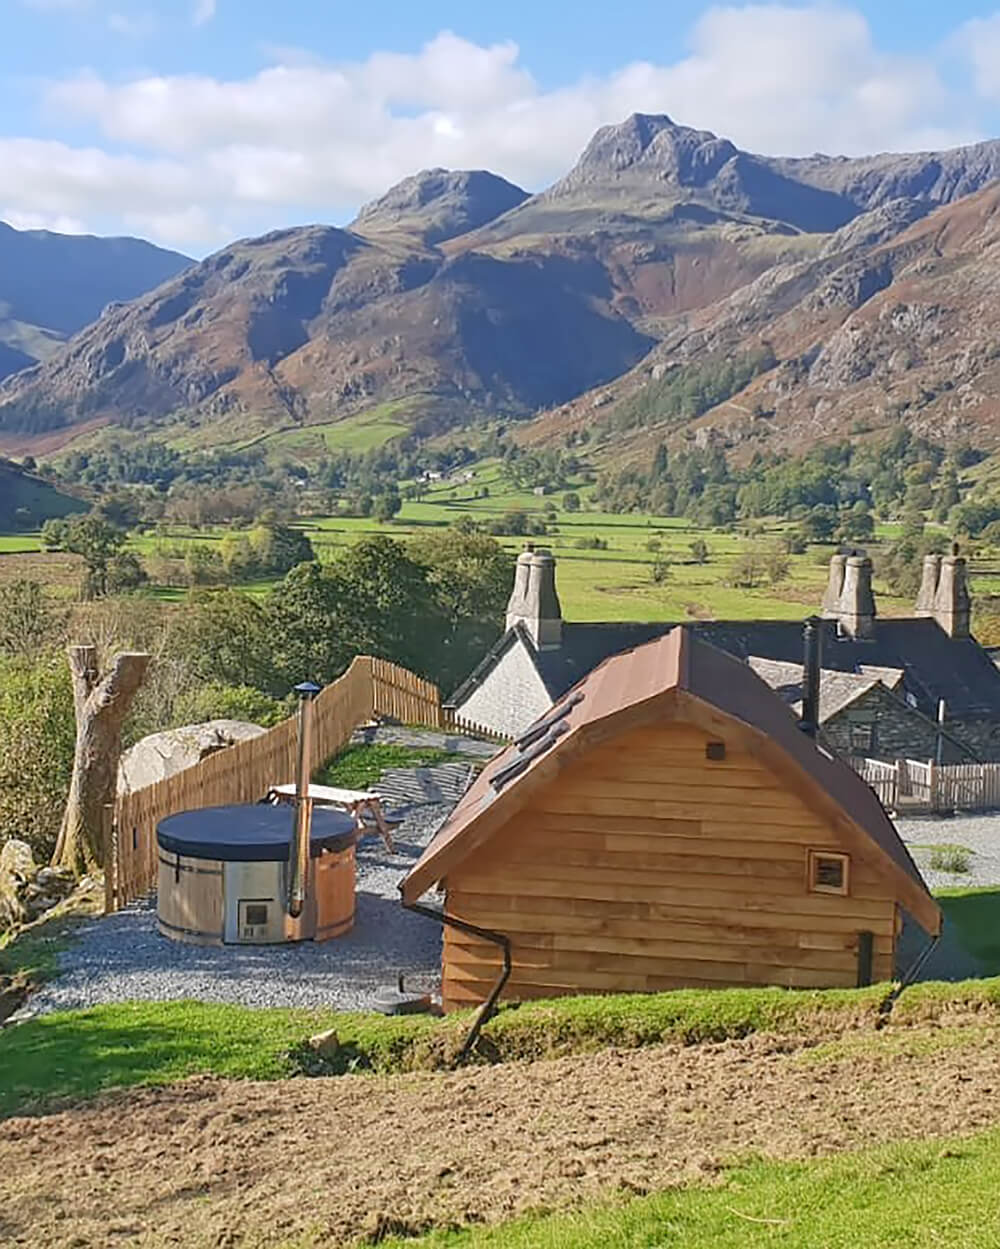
column 37, row 740
column 954, row 859
column 217, row 701
column 28, row 622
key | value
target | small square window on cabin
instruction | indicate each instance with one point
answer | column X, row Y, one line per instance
column 828, row 872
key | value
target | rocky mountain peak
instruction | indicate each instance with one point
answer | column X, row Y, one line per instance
column 439, row 204
column 650, row 146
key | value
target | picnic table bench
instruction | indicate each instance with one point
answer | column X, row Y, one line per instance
column 362, row 804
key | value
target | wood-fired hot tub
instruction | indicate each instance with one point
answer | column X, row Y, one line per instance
column 224, row 876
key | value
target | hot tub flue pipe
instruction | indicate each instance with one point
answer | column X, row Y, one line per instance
column 298, row 855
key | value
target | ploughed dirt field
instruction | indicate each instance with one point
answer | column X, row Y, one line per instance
column 335, row 1161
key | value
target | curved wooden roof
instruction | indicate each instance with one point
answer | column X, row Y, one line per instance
column 676, row 676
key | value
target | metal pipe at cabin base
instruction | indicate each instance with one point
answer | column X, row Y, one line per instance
column 299, row 849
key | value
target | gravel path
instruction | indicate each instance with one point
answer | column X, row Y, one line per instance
column 979, row 834
column 123, row 957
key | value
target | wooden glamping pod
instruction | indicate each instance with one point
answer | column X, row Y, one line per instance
column 668, row 824
column 223, row 876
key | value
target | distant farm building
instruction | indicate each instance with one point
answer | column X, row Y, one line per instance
column 669, row 824
column 920, row 662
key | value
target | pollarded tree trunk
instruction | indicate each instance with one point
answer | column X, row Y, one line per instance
column 101, row 704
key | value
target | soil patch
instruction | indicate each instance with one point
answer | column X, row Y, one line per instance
column 334, row 1161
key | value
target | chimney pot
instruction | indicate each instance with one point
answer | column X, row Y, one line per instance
column 856, row 606
column 834, row 587
column 534, row 603
column 952, row 602
column 928, row 586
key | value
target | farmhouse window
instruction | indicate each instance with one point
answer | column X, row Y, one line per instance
column 862, row 738
column 828, row 873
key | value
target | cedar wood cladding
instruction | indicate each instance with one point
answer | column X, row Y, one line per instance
column 623, row 858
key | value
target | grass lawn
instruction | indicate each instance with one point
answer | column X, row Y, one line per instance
column 975, row 913
column 921, row 1195
column 79, row 1053
column 359, row 767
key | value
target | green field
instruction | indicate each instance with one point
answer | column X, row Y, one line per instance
column 19, row 543
column 615, row 583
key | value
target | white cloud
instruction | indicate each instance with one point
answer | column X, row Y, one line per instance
column 978, row 41
column 204, row 11
column 60, row 223
column 303, row 135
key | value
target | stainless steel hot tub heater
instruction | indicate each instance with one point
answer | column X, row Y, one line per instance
column 299, row 849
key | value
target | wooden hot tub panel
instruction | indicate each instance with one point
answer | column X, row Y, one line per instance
column 190, row 899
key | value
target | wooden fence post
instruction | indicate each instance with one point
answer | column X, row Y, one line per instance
column 110, row 836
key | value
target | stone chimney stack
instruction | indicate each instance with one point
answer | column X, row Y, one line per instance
column 831, row 598
column 856, row 606
column 927, row 596
column 952, row 603
column 517, row 604
column 534, row 603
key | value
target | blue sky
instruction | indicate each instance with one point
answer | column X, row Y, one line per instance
column 193, row 121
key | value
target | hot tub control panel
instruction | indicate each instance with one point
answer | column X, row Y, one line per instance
column 257, row 920
column 254, row 914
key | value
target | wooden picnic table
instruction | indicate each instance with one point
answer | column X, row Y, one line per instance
column 360, row 803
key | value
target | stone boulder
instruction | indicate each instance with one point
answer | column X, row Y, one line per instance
column 17, row 867
column 165, row 754
column 47, row 888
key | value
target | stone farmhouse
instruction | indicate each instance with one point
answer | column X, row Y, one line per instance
column 919, row 686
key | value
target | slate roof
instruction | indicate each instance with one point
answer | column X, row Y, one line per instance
column 936, row 666
column 837, row 690
column 680, row 661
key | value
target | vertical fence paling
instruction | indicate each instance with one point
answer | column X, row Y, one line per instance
column 454, row 723
column 244, row 772
column 915, row 786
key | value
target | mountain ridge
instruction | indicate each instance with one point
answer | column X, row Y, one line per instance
column 53, row 285
column 460, row 289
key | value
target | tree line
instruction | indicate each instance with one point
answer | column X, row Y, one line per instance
column 433, row 604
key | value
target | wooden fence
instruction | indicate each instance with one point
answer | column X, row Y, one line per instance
column 244, row 773
column 910, row 786
column 453, row 723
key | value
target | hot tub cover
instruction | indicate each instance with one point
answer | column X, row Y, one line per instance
column 257, row 833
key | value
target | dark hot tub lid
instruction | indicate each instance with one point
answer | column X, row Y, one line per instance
column 257, row 833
